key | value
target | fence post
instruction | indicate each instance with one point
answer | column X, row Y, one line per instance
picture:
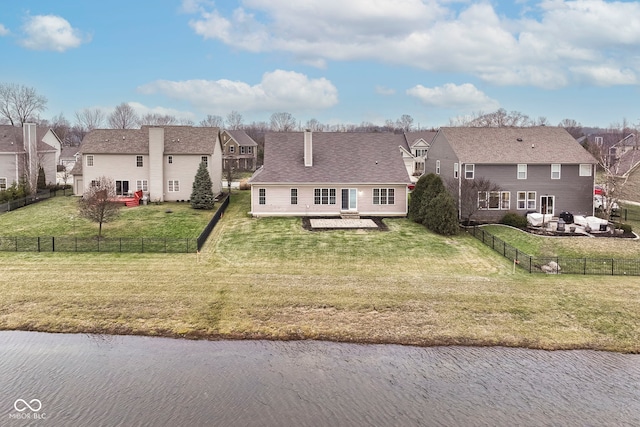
column 16, row 243
column 121, row 244
column 585, row 266
column 612, row 260
column 142, row 239
column 53, row 244
column 38, row 243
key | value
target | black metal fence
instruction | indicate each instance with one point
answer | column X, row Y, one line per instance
column 556, row 265
column 12, row 205
column 210, row 226
column 113, row 244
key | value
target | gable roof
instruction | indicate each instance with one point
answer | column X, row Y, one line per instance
column 338, row 157
column 12, row 139
column 510, row 145
column 177, row 140
column 241, row 138
column 414, row 137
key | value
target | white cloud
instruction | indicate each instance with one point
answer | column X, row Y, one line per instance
column 386, row 91
column 547, row 51
column 606, row 76
column 50, row 32
column 278, row 90
column 3, row 30
column 142, row 110
column 463, row 97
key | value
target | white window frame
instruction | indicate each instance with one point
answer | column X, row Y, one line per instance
column 232, row 149
column 526, row 200
column 585, row 169
column 556, row 174
column 494, row 200
column 469, row 170
column 262, row 196
column 139, row 161
column 324, row 196
column 437, row 167
column 522, row 171
column 249, row 150
column 3, row 184
column 384, row 196
column 142, row 185
column 243, row 149
column 173, row 186
column 456, row 170
column 205, row 160
column 89, row 160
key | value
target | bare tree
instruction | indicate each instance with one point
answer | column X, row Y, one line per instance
column 212, row 121
column 466, row 192
column 18, row 103
column 90, row 118
column 234, row 120
column 97, row 204
column 123, row 117
column 573, row 127
column 155, row 119
column 405, row 123
column 61, row 126
column 314, row 125
column 282, row 122
column 498, row 118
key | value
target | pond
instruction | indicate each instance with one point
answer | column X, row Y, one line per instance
column 94, row 380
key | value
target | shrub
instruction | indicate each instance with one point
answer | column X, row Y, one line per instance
column 441, row 214
column 626, row 228
column 514, row 220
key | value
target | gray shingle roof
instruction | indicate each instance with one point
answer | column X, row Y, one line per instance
column 177, row 140
column 539, row 144
column 413, row 137
column 11, row 139
column 242, row 138
column 338, row 157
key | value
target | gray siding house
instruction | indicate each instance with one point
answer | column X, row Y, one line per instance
column 330, row 174
column 239, row 150
column 162, row 161
column 23, row 150
column 537, row 169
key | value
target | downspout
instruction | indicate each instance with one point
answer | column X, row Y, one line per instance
column 460, row 169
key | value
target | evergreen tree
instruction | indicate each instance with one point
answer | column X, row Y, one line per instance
column 441, row 214
column 417, row 196
column 433, row 187
column 201, row 193
column 42, row 180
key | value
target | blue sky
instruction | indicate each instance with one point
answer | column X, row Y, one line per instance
column 338, row 61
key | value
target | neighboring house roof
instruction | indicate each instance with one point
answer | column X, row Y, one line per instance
column 338, row 157
column 77, row 169
column 69, row 153
column 414, row 137
column 509, row 145
column 11, row 139
column 242, row 138
column 177, row 140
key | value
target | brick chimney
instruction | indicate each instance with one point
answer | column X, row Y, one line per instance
column 308, row 148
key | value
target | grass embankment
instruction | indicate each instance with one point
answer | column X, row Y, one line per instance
column 269, row 278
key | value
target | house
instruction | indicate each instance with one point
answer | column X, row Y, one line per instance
column 542, row 169
column 330, row 174
column 23, row 150
column 68, row 158
column 162, row 161
column 239, row 150
column 414, row 152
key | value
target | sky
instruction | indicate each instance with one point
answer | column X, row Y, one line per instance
column 336, row 61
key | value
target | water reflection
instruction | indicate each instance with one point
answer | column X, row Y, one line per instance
column 111, row 380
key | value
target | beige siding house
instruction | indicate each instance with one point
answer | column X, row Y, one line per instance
column 161, row 161
column 537, row 169
column 23, row 150
column 330, row 174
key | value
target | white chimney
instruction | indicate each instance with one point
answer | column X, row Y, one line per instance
column 308, row 148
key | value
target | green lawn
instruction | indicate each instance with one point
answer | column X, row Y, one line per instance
column 569, row 247
column 270, row 278
column 58, row 216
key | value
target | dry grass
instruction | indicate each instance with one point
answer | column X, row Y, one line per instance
column 269, row 278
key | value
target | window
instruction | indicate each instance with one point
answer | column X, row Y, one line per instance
column 249, row 150
column 494, row 200
column 585, row 170
column 122, row 187
column 522, row 171
column 294, row 196
column 139, row 161
column 205, row 160
column 243, row 150
column 95, row 183
column 421, row 152
column 469, row 171
column 527, row 200
column 3, row 184
column 170, row 159
column 324, row 196
column 142, row 184
column 555, row 171
column 456, row 170
column 89, row 159
column 173, row 185
column 232, row 149
column 383, row 196
column 262, row 196
column 438, row 167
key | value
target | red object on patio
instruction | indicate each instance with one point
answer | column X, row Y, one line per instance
column 132, row 201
